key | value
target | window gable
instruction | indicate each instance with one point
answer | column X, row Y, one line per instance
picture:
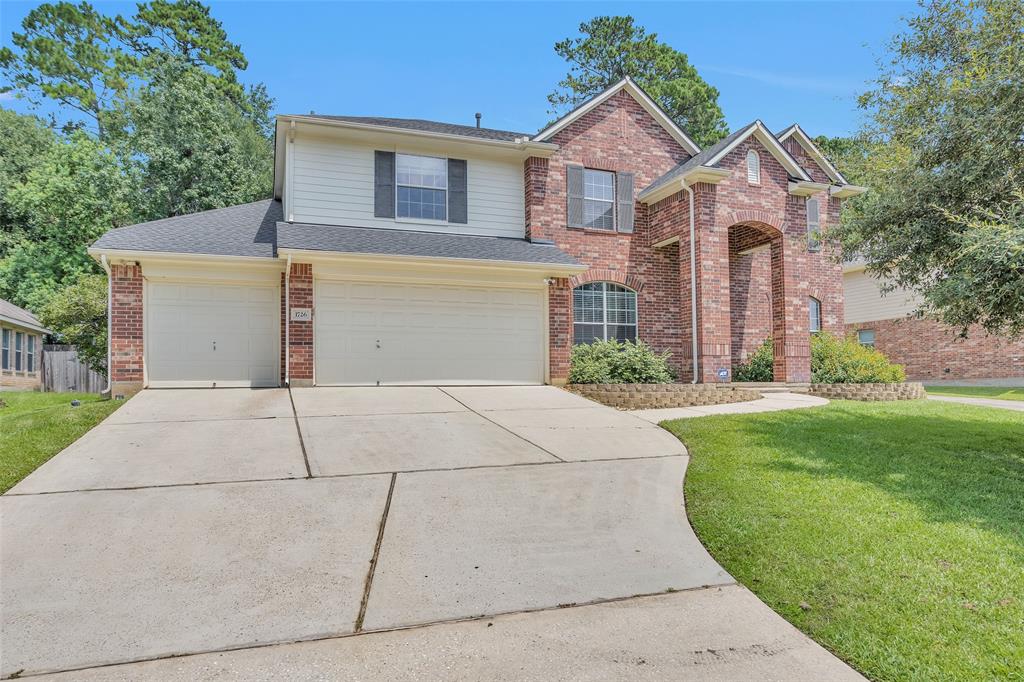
column 753, row 168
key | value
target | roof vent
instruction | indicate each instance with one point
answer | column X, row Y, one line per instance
column 478, row 115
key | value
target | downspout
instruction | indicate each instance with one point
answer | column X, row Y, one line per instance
column 287, row 325
column 693, row 282
column 110, row 306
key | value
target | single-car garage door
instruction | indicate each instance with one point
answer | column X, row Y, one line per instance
column 383, row 333
column 201, row 334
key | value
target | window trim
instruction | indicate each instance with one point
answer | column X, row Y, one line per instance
column 874, row 337
column 30, row 354
column 813, row 236
column 412, row 219
column 5, row 349
column 611, row 202
column 604, row 311
column 752, row 154
column 19, row 349
column 811, row 302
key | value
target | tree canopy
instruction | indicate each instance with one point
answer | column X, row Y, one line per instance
column 611, row 48
column 944, row 157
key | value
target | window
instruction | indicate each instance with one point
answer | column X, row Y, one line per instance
column 866, row 337
column 813, row 225
column 753, row 168
column 422, row 183
column 31, row 364
column 5, row 350
column 598, row 199
column 602, row 311
column 815, row 306
column 19, row 344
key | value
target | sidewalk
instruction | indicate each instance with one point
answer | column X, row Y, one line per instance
column 1016, row 406
column 772, row 402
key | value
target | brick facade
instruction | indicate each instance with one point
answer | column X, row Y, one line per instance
column 300, row 334
column 126, row 322
column 931, row 351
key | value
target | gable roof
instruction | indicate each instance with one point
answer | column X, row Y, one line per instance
column 20, row 317
column 805, row 141
column 642, row 98
column 712, row 156
column 422, row 125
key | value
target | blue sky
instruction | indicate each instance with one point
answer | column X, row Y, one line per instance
column 780, row 62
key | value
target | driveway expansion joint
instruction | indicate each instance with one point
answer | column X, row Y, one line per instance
column 376, row 555
column 298, row 430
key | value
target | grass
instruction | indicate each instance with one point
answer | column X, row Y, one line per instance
column 36, row 426
column 891, row 533
column 997, row 392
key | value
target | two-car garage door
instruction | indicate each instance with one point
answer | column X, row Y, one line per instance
column 399, row 333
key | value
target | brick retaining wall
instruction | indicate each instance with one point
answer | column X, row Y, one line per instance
column 907, row 391
column 655, row 396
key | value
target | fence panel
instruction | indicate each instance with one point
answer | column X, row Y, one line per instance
column 63, row 372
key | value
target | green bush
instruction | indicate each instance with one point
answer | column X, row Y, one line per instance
column 759, row 366
column 611, row 362
column 833, row 361
column 845, row 361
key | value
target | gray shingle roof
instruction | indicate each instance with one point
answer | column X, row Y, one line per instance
column 391, row 242
column 421, row 125
column 700, row 158
column 244, row 230
column 13, row 314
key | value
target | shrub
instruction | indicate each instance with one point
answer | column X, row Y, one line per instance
column 845, row 361
column 759, row 366
column 611, row 362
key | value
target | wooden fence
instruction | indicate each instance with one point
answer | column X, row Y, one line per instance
column 63, row 372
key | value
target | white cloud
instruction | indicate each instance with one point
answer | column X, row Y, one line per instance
column 835, row 86
column 6, row 96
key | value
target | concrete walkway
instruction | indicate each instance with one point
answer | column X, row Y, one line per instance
column 771, row 402
column 1015, row 405
column 398, row 532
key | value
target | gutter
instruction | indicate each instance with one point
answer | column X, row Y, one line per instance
column 287, row 326
column 110, row 307
column 693, row 283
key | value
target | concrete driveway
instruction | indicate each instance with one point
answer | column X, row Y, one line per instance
column 224, row 521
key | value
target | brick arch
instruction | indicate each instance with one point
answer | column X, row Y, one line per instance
column 603, row 275
column 758, row 218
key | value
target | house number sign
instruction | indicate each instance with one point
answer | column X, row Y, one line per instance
column 302, row 314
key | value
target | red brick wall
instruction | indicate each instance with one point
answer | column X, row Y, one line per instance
column 126, row 322
column 750, row 298
column 928, row 350
column 300, row 334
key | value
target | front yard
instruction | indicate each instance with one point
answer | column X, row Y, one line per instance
column 36, row 426
column 997, row 392
column 891, row 533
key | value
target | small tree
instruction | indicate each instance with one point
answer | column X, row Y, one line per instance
column 77, row 314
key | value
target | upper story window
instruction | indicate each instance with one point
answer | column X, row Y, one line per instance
column 598, row 199
column 813, row 224
column 815, row 322
column 753, row 168
column 422, row 183
column 603, row 311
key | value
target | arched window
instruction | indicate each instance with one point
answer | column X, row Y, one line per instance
column 602, row 311
column 815, row 306
column 753, row 168
column 813, row 225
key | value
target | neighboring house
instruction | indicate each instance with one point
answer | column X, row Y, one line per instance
column 414, row 252
column 928, row 350
column 21, row 348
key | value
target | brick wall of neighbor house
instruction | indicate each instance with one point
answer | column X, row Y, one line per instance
column 126, row 321
column 300, row 334
column 930, row 351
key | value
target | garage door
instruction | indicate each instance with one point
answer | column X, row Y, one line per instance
column 212, row 334
column 377, row 333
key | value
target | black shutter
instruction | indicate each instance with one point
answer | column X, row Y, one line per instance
column 574, row 192
column 457, row 210
column 384, row 184
column 624, row 201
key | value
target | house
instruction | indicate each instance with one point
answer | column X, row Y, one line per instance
column 21, row 348
column 399, row 251
column 928, row 350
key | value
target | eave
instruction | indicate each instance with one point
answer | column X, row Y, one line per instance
column 847, row 191
column 711, row 176
column 806, row 189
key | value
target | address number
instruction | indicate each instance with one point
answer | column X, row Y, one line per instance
column 302, row 314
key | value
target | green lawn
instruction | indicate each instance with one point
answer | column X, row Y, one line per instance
column 997, row 392
column 899, row 526
column 36, row 426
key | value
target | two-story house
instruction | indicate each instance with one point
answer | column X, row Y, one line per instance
column 399, row 251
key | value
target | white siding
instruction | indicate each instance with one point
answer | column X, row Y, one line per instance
column 333, row 184
column 865, row 302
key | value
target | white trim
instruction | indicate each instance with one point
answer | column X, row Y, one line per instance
column 765, row 137
column 414, row 219
column 604, row 310
column 552, row 269
column 804, row 140
column 129, row 255
column 846, row 191
column 642, row 98
column 665, row 242
column 806, row 189
column 691, row 177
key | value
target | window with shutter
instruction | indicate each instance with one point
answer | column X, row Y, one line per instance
column 813, row 225
column 624, row 199
column 753, row 168
column 574, row 195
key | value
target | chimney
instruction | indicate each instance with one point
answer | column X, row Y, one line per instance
column 478, row 115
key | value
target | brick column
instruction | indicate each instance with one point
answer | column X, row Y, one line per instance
column 559, row 330
column 535, row 184
column 714, row 326
column 790, row 313
column 300, row 333
column 126, row 320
